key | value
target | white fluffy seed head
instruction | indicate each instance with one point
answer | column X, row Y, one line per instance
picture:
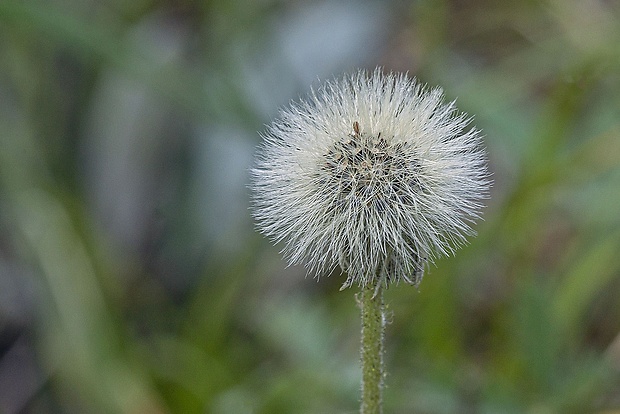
column 373, row 173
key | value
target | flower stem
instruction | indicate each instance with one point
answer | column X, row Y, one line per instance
column 373, row 325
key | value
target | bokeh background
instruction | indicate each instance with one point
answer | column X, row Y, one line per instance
column 132, row 280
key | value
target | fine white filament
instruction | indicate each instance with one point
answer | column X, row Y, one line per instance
column 372, row 173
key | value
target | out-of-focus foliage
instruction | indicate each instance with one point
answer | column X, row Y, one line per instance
column 131, row 279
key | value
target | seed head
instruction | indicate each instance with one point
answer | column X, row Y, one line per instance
column 372, row 173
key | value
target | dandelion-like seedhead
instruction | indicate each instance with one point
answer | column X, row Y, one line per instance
column 373, row 173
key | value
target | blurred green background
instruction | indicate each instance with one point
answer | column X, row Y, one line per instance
column 132, row 281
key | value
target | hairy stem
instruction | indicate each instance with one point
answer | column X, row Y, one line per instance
column 373, row 324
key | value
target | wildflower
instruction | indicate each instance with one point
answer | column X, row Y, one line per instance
column 372, row 173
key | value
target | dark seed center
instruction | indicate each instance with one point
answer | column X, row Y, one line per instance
column 371, row 169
